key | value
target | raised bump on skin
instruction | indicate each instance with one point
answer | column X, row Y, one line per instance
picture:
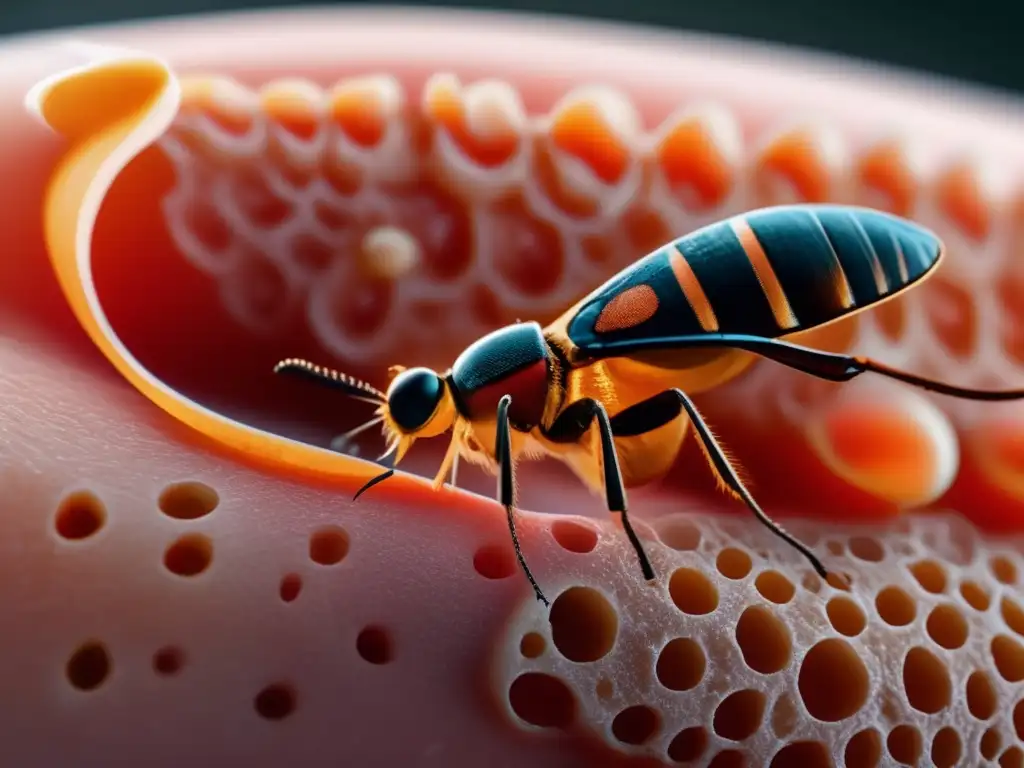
column 697, row 154
column 804, row 164
column 899, row 447
column 586, row 155
column 888, row 177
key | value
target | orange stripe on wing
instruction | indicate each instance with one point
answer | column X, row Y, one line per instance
column 784, row 316
column 693, row 290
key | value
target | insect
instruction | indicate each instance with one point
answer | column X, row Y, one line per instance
column 607, row 387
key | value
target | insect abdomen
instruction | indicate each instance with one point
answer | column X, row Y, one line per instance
column 768, row 273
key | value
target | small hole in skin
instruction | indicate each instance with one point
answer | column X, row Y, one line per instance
column 604, row 689
column 493, row 561
column 835, row 548
column 991, row 741
column 681, row 664
column 929, row 575
column 864, row 749
column 904, row 743
column 291, row 586
column 1012, row 758
column 946, row 748
column 868, row 549
column 982, row 698
column 532, row 645
column 947, row 626
column 635, row 725
column 693, row 592
column 188, row 500
column 739, row 715
column 168, row 661
column 542, row 700
column 763, row 640
column 328, row 545
column 1003, row 569
column 802, row 754
column 895, row 606
column 89, row 666
column 839, row 580
column 733, row 563
column 688, row 745
column 1012, row 615
column 681, row 536
column 833, row 680
column 775, row 587
column 275, row 702
column 1008, row 656
column 846, row 616
column 189, row 555
column 80, row 515
column 574, row 537
column 926, row 681
column 584, row 624
column 374, row 645
column 975, row 595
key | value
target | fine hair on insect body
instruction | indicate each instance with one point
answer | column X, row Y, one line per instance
column 606, row 388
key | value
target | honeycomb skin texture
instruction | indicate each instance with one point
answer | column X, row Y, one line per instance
column 166, row 583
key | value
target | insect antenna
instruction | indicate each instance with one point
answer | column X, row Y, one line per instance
column 350, row 385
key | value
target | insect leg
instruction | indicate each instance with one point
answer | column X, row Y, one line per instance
column 570, row 426
column 507, row 487
column 663, row 408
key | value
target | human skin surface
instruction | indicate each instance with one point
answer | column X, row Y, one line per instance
column 252, row 614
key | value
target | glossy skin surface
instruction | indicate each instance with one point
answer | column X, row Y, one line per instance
column 432, row 571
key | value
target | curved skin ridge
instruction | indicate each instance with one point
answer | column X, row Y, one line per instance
column 137, row 97
column 393, row 219
column 372, row 213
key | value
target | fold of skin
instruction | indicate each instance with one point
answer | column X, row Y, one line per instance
column 471, row 162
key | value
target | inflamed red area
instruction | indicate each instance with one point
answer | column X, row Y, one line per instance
column 185, row 573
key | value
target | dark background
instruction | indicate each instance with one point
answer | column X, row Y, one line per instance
column 976, row 41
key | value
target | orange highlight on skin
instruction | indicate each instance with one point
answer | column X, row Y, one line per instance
column 444, row 104
column 230, row 106
column 295, row 110
column 885, row 169
column 781, row 309
column 354, row 109
column 959, row 197
column 796, row 157
column 879, row 451
column 693, row 290
column 689, row 157
column 580, row 131
column 627, row 310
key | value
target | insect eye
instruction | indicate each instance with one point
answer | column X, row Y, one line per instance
column 413, row 397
